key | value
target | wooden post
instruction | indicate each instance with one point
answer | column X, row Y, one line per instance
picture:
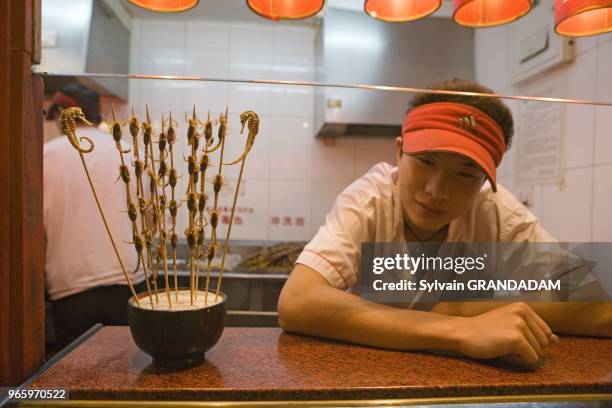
column 22, row 240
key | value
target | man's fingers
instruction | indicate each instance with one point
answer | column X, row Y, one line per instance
column 542, row 324
column 533, row 326
column 533, row 341
column 526, row 352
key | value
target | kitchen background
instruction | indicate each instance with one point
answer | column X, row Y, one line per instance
column 292, row 176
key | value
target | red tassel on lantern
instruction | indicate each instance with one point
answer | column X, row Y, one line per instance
column 286, row 9
column 578, row 18
column 488, row 13
column 401, row 10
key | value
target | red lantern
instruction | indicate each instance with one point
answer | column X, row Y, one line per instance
column 401, row 10
column 488, row 13
column 166, row 6
column 286, row 9
column 583, row 17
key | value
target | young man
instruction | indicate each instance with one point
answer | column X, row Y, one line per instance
column 450, row 147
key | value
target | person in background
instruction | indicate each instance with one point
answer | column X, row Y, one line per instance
column 84, row 280
column 443, row 189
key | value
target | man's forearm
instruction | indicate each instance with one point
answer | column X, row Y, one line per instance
column 327, row 312
column 578, row 318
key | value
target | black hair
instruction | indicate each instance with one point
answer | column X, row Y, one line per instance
column 88, row 100
column 494, row 107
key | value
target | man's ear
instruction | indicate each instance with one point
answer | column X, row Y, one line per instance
column 398, row 148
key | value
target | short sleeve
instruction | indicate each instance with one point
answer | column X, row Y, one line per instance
column 514, row 221
column 521, row 225
column 335, row 251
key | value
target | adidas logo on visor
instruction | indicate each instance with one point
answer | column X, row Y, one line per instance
column 467, row 122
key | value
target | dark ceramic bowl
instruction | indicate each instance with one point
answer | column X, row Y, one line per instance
column 176, row 338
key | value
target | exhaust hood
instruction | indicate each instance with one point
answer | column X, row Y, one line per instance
column 85, row 36
column 353, row 48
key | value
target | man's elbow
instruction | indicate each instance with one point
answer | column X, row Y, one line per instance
column 287, row 310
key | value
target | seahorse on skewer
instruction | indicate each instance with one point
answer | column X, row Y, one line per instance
column 68, row 122
column 252, row 119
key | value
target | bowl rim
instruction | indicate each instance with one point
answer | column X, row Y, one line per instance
column 141, row 295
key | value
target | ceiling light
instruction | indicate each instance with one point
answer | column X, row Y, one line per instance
column 488, row 13
column 580, row 18
column 401, row 10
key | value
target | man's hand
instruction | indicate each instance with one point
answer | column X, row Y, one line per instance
column 513, row 330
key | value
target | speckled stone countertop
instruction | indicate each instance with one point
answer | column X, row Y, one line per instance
column 267, row 364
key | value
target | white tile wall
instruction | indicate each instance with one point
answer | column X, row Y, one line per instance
column 579, row 210
column 324, row 194
column 579, row 134
column 602, row 203
column 585, row 44
column 603, row 135
column 579, row 76
column 333, row 161
column 567, row 212
column 244, row 96
column 292, row 100
column 492, row 66
column 161, row 33
column 207, row 35
column 291, row 38
column 369, row 152
column 254, row 197
column 291, row 139
column 290, row 202
column 604, row 38
column 288, row 172
column 251, row 37
column 207, row 62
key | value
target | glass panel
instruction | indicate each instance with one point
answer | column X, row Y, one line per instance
column 352, row 76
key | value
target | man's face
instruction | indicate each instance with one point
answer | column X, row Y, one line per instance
column 436, row 187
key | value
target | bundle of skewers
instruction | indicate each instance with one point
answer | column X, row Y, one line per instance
column 154, row 234
column 277, row 258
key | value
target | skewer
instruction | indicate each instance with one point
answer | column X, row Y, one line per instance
column 124, row 174
column 191, row 233
column 147, row 132
column 253, row 126
column 155, row 200
column 196, row 199
column 162, row 208
column 142, row 204
column 68, row 118
column 173, row 208
column 217, row 184
column 199, row 171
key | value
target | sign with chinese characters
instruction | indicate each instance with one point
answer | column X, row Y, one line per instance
column 287, row 221
column 239, row 214
column 540, row 142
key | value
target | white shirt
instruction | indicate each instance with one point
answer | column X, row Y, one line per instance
column 79, row 254
column 369, row 211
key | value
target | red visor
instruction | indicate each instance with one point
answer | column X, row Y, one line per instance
column 456, row 128
column 61, row 99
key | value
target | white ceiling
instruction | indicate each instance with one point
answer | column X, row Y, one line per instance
column 238, row 10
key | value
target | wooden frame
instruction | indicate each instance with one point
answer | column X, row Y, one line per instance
column 22, row 246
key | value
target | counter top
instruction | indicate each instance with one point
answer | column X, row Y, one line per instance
column 268, row 364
